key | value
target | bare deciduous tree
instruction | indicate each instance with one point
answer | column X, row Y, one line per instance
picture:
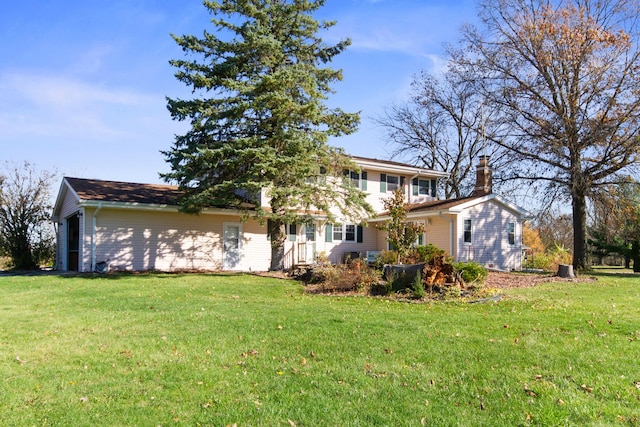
column 443, row 127
column 566, row 76
column 25, row 210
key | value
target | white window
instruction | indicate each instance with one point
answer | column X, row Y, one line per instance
column 390, row 183
column 424, row 187
column 356, row 179
column 343, row 232
column 511, row 233
column 350, row 233
column 337, row 232
column 467, row 231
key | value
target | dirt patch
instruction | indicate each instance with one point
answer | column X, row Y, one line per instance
column 526, row 280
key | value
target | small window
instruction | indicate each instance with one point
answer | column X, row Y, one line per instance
column 511, row 233
column 467, row 231
column 337, row 232
column 292, row 232
column 350, row 233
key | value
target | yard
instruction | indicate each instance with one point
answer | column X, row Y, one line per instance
column 222, row 350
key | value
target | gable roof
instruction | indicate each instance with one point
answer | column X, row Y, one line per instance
column 456, row 206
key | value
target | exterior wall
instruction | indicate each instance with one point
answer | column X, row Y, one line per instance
column 439, row 233
column 134, row 240
column 490, row 245
column 376, row 197
column 335, row 251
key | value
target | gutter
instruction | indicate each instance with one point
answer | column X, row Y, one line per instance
column 93, row 236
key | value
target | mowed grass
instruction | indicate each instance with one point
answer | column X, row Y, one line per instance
column 150, row 350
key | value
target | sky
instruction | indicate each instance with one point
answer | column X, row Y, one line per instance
column 83, row 83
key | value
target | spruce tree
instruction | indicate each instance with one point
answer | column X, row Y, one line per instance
column 259, row 123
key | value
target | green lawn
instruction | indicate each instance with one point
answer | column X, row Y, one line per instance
column 149, row 350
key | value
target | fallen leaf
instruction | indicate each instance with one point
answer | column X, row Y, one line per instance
column 585, row 388
column 291, row 423
column 560, row 402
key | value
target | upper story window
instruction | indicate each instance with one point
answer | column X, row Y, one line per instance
column 390, row 183
column 467, row 231
column 511, row 233
column 424, row 187
column 319, row 178
column 357, row 179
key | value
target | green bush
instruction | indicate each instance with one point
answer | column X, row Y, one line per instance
column 471, row 271
column 387, row 257
column 417, row 288
column 427, row 253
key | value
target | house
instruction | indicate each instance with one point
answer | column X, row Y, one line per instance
column 137, row 227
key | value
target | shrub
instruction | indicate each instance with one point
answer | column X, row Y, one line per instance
column 355, row 276
column 388, row 257
column 471, row 271
column 427, row 253
column 417, row 288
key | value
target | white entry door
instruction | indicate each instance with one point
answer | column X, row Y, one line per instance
column 232, row 246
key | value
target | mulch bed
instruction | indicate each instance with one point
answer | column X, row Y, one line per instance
column 526, row 280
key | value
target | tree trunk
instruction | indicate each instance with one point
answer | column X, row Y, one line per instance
column 565, row 271
column 635, row 255
column 278, row 238
column 580, row 261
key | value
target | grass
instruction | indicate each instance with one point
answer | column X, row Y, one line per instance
column 150, row 350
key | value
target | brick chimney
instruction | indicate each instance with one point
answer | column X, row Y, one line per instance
column 484, row 180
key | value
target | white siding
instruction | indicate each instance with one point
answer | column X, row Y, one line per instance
column 490, row 245
column 169, row 241
column 439, row 233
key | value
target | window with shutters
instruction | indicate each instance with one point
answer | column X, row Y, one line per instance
column 344, row 233
column 423, row 187
column 390, row 183
column 356, row 179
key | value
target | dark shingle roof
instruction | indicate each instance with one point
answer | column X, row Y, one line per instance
column 124, row 192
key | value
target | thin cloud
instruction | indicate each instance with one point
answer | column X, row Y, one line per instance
column 62, row 106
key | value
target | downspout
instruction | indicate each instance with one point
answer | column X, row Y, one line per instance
column 93, row 237
column 450, row 233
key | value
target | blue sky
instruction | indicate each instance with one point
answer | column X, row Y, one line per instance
column 83, row 82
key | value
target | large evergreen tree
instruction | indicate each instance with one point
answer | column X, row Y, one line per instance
column 258, row 118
